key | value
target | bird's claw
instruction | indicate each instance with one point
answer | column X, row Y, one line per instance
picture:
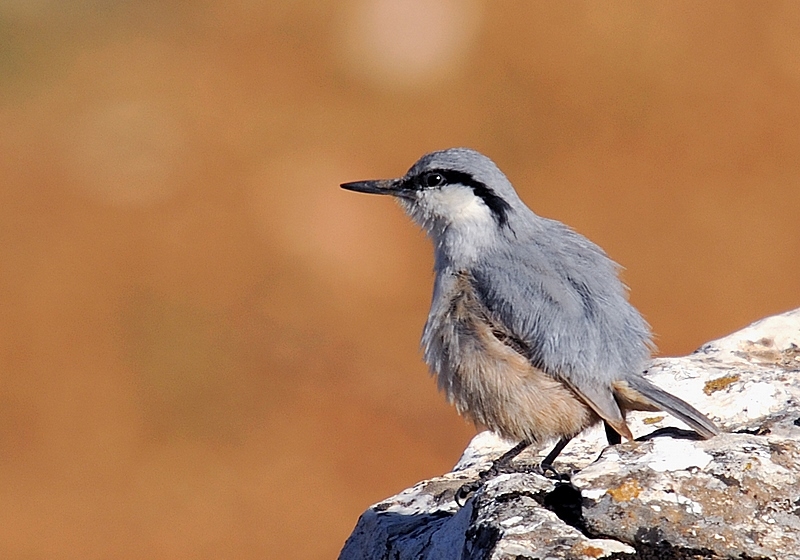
column 498, row 468
column 466, row 490
column 549, row 471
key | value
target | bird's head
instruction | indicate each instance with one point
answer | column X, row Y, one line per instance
column 457, row 191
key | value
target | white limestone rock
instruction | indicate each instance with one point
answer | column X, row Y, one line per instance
column 736, row 495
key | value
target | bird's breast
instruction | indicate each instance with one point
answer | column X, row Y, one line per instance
column 482, row 369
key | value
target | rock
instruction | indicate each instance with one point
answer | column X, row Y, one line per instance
column 734, row 496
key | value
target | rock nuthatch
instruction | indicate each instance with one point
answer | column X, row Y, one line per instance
column 530, row 331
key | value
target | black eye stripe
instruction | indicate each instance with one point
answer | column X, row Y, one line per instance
column 499, row 207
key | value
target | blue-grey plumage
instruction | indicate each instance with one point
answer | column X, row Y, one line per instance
column 530, row 330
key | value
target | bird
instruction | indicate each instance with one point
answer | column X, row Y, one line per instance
column 530, row 331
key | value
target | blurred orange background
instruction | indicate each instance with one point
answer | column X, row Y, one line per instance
column 209, row 350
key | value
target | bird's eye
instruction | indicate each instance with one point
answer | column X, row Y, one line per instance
column 433, row 180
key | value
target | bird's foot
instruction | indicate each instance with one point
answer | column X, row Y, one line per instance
column 670, row 431
column 499, row 467
column 547, row 470
column 466, row 490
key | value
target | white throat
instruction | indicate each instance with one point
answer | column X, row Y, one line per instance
column 458, row 222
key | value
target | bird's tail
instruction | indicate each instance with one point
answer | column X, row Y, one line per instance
column 649, row 394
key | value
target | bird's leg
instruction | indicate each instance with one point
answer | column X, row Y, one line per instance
column 499, row 466
column 612, row 435
column 503, row 463
column 546, row 466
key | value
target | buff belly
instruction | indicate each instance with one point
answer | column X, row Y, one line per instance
column 493, row 384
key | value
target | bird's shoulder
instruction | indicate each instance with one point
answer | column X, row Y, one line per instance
column 560, row 295
column 550, row 268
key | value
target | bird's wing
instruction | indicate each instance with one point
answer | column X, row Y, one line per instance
column 602, row 401
column 565, row 304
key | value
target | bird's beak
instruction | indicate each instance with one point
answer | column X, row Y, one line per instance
column 381, row 186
